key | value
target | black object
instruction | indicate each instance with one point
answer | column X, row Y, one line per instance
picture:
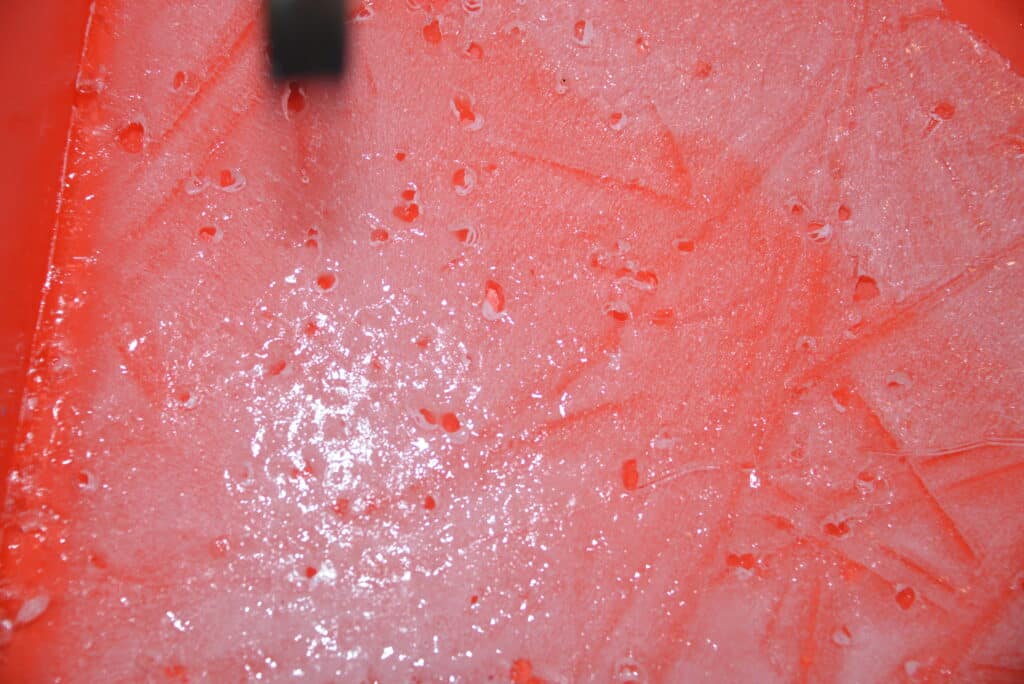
column 307, row 37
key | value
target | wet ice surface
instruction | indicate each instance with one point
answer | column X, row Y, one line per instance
column 561, row 344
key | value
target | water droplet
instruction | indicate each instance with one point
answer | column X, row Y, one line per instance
column 617, row 121
column 472, row 6
column 583, row 32
column 473, row 50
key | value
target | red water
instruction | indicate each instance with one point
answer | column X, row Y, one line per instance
column 562, row 343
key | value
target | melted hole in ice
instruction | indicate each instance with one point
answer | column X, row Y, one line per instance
column 583, row 32
column 131, row 137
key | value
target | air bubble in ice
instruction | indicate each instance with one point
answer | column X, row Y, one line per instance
column 627, row 671
column 842, row 636
column 898, row 380
column 806, row 344
column 196, row 184
column 561, row 84
column 32, row 608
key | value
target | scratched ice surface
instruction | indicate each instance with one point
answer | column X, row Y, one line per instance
column 565, row 342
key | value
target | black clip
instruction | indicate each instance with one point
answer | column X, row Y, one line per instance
column 307, row 38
